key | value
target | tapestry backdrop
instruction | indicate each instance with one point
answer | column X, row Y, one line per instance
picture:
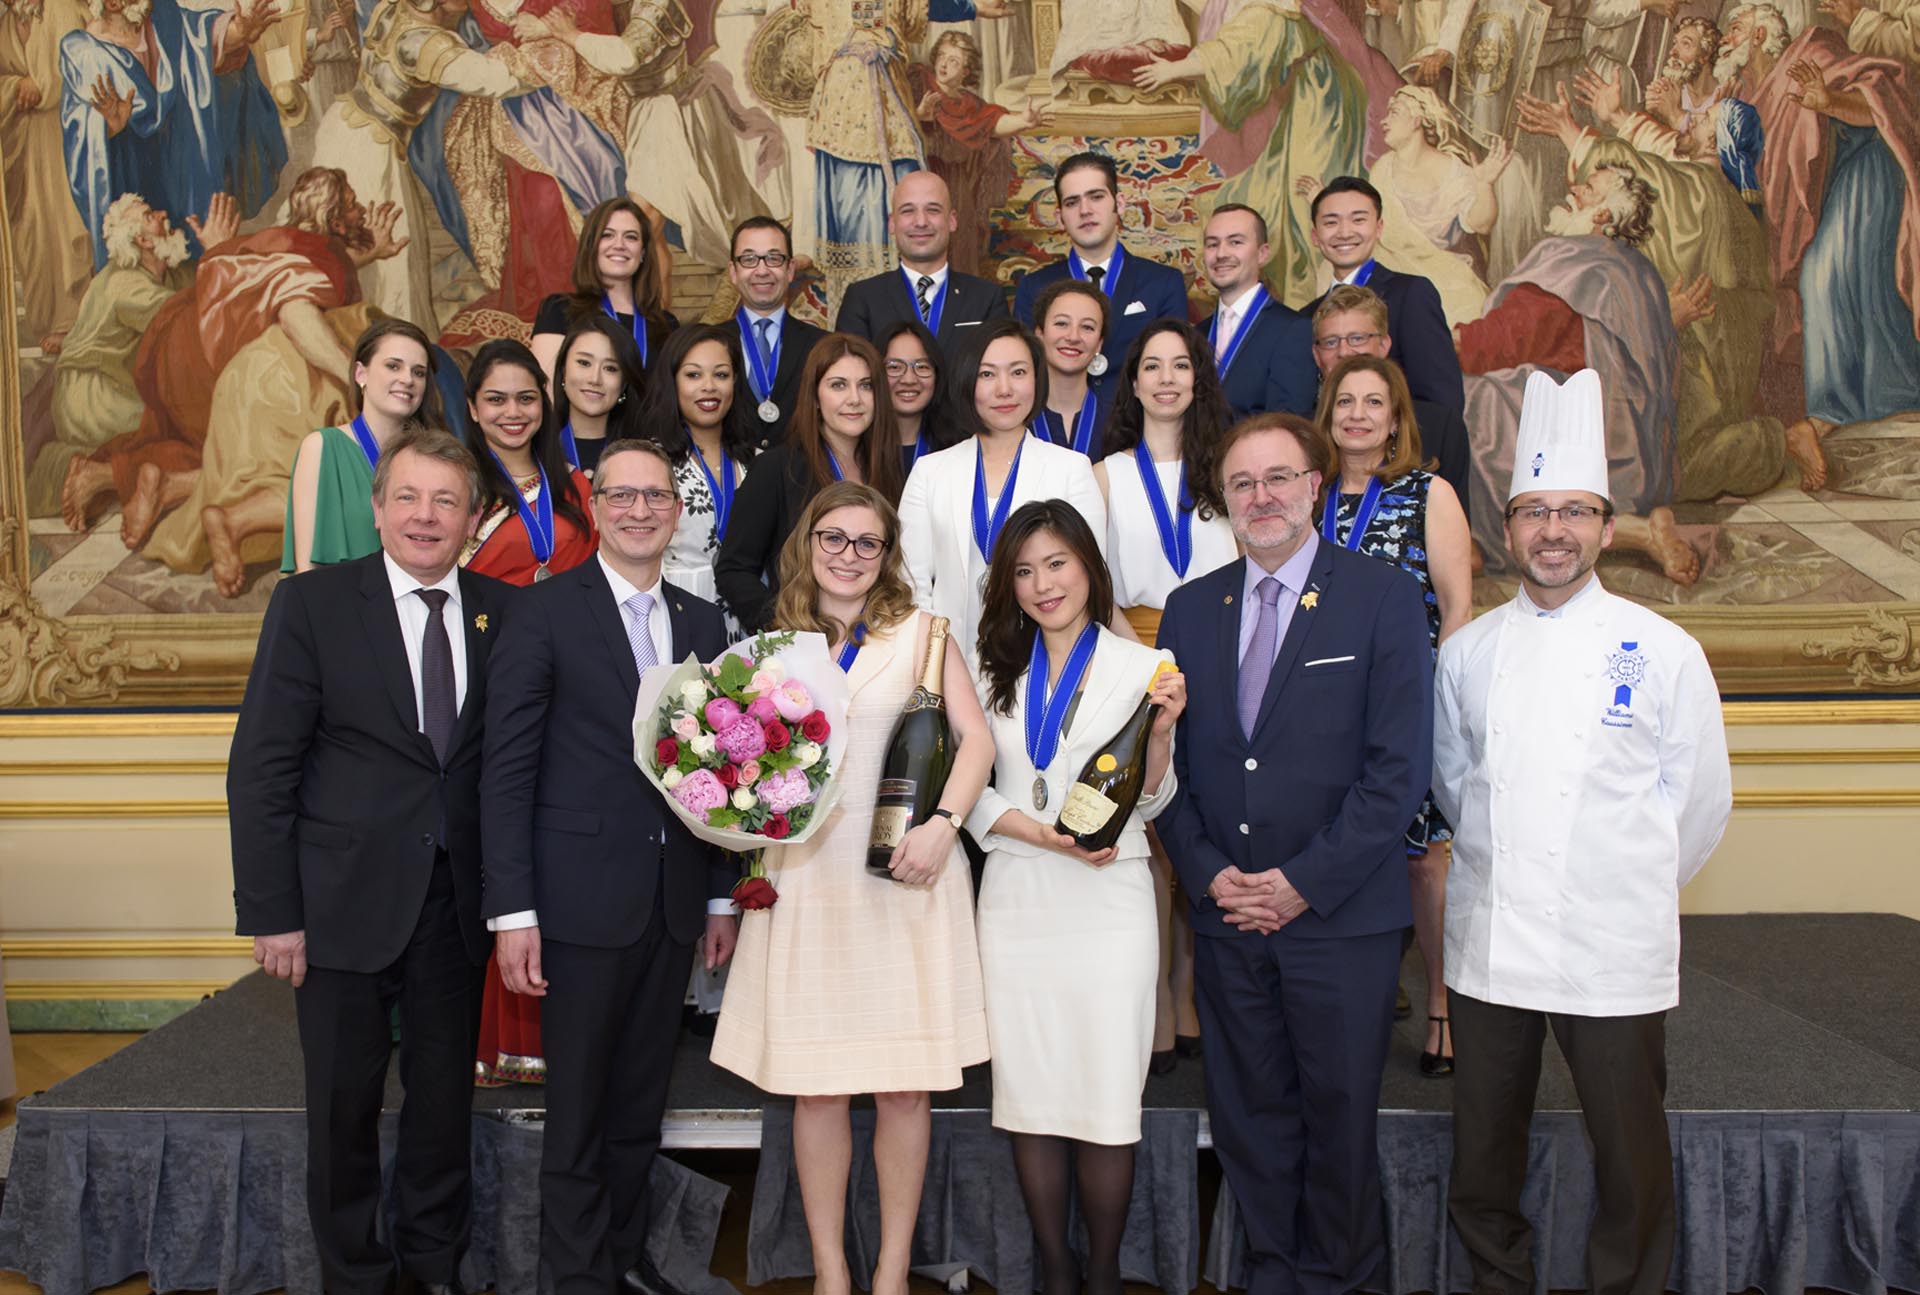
column 1757, row 329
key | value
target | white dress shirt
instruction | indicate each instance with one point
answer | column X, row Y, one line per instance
column 938, row 276
column 413, row 625
column 1580, row 755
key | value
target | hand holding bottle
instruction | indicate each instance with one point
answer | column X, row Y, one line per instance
column 1025, row 827
column 1169, row 693
column 922, row 852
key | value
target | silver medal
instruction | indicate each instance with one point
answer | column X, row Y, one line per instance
column 541, row 573
column 769, row 412
column 1039, row 792
column 1098, row 366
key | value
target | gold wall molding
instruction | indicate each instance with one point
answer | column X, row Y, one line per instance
column 56, row 809
column 29, row 991
column 1826, row 798
column 115, row 768
column 1821, row 712
column 1828, row 755
column 121, row 726
column 228, row 946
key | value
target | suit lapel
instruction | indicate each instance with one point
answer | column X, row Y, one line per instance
column 604, row 612
column 473, row 602
column 1318, row 578
column 680, row 628
column 950, row 311
column 389, row 650
column 876, row 654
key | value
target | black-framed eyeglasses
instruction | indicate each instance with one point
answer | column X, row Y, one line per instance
column 867, row 547
column 627, row 496
column 1275, row 481
column 900, row 368
column 754, row 260
column 1571, row 514
column 1334, row 341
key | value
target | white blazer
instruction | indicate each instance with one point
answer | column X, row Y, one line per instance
column 1118, row 677
column 936, row 523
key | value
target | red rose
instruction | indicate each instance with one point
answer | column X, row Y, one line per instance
column 666, row 752
column 778, row 735
column 754, row 892
column 815, row 728
column 776, row 827
column 729, row 776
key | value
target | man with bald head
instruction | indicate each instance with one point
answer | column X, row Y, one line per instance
column 925, row 287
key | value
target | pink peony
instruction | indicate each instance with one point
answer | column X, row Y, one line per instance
column 792, row 700
column 701, row 791
column 721, row 711
column 742, row 739
column 780, row 792
column 763, row 710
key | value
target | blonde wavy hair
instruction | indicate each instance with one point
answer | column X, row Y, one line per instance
column 889, row 602
column 1438, row 122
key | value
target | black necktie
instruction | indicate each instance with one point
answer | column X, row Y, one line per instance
column 437, row 708
column 925, row 286
column 1096, row 274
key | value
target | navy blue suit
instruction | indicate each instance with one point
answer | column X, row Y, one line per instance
column 1296, row 1023
column 1422, row 342
column 1273, row 369
column 1160, row 292
column 1060, row 430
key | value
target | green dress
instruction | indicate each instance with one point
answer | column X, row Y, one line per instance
column 343, row 504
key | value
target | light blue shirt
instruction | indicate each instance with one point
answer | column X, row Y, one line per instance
column 779, row 319
column 1293, row 582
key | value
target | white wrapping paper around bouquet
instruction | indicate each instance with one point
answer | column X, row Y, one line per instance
column 807, row 660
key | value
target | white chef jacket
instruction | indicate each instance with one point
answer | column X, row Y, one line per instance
column 1581, row 758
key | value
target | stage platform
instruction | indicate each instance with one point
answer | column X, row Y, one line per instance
column 1794, row 1064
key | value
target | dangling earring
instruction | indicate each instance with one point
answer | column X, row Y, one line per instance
column 623, row 397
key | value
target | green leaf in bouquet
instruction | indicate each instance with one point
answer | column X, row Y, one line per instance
column 767, row 645
column 726, row 817
column 734, row 675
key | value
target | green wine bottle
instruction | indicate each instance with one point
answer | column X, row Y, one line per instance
column 1099, row 801
column 914, row 772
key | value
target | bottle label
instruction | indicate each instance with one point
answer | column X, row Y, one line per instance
column 892, row 787
column 922, row 699
column 890, row 824
column 1086, row 810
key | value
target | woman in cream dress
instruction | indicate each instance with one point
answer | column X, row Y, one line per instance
column 851, row 982
column 1069, row 941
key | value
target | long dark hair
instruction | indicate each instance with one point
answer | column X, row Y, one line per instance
column 1006, row 632
column 623, row 420
column 1206, row 418
column 430, row 412
column 661, row 419
column 963, row 417
column 933, row 419
column 649, row 281
column 879, row 448
column 496, row 486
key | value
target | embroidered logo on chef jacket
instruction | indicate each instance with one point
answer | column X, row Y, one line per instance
column 1626, row 670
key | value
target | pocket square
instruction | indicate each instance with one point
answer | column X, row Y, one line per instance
column 967, row 323
column 1327, row 660
column 1135, row 308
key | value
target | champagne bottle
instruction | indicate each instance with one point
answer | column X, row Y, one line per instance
column 914, row 772
column 1099, row 801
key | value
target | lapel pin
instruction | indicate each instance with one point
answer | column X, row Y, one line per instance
column 1229, row 600
column 480, row 622
column 1310, row 599
column 677, row 607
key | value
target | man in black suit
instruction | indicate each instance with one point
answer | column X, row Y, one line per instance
column 1353, row 321
column 774, row 343
column 1346, row 229
column 925, row 287
column 597, row 893
column 1140, row 290
column 352, row 794
column 1264, row 365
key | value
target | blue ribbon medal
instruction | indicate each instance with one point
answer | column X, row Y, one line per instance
column 935, row 308
column 987, row 530
column 760, row 369
column 1047, row 714
column 368, row 446
column 1330, row 518
column 1176, row 529
column 1083, row 424
column 721, row 489
column 639, row 327
column 569, row 447
column 538, row 519
column 851, row 648
column 1255, row 304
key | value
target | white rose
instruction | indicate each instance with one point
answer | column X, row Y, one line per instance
column 694, row 693
column 671, row 778
column 806, row 754
column 702, row 744
column 742, row 799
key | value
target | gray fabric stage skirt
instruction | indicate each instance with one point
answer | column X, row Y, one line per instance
column 218, row 1201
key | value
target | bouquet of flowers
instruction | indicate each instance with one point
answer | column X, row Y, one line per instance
column 745, row 750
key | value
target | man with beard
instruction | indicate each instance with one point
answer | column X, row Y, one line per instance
column 1580, row 753
column 1840, row 177
column 1686, row 88
column 48, row 237
column 95, row 396
column 165, row 102
column 1702, row 239
column 1585, row 297
column 285, row 275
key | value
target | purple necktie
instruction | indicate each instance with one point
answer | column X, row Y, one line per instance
column 1256, row 667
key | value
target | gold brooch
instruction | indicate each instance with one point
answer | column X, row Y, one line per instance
column 1229, row 600
column 480, row 622
column 1310, row 599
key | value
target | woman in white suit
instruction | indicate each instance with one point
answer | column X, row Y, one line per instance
column 1068, row 939
column 959, row 498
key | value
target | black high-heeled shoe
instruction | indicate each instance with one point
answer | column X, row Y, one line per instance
column 1187, row 1045
column 1437, row 1065
column 1162, row 1063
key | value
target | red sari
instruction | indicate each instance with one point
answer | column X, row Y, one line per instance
column 510, row 1051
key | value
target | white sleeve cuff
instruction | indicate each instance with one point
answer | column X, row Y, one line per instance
column 513, row 921
column 722, row 908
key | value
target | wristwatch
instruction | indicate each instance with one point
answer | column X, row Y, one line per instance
column 946, row 814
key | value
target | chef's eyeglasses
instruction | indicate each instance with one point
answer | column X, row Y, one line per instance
column 834, row 543
column 1572, row 514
